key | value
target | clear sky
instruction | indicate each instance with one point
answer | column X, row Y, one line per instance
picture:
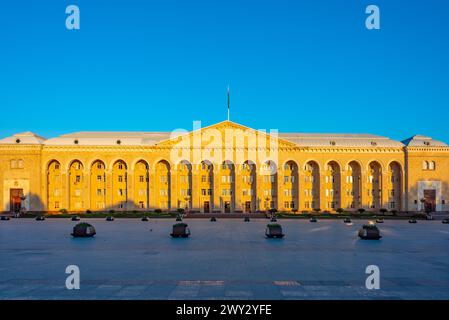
column 296, row 66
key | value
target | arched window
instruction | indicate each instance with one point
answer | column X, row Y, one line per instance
column 432, row 165
column 425, row 165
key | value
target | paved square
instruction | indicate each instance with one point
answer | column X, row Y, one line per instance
column 227, row 259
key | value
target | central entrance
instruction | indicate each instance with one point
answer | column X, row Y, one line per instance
column 15, row 202
column 206, row 207
column 247, row 206
column 227, row 207
column 429, row 200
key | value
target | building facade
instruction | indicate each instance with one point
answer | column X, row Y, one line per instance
column 225, row 167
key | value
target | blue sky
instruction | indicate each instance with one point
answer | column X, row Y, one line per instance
column 296, row 66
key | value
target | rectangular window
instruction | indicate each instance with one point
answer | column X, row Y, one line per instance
column 209, row 192
column 77, row 192
column 120, row 178
column 286, row 205
column 99, row 178
column 56, row 204
column 185, row 192
column 141, row 205
column 56, row 193
column 203, row 192
column 392, row 205
column 78, row 178
column 203, row 179
column 98, row 192
column 141, row 179
column 286, row 179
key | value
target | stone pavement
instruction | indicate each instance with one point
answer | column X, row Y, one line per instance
column 227, row 259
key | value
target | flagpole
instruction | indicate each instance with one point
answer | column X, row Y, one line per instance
column 229, row 104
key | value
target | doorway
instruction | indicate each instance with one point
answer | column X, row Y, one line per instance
column 15, row 202
column 206, row 207
column 227, row 207
column 247, row 206
column 429, row 200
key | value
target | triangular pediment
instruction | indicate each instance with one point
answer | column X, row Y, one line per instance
column 226, row 132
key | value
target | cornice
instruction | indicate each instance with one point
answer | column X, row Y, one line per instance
column 427, row 149
column 130, row 149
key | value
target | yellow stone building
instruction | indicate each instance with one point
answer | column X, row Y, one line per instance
column 225, row 167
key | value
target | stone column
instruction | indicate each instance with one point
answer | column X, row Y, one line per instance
column 65, row 192
column 363, row 189
column 238, row 187
column 280, row 189
column 259, row 191
column 174, row 192
column 87, row 191
column 384, row 183
column 195, row 188
column 217, row 195
column 301, row 188
column 153, row 196
column 109, row 190
column 130, row 204
column 322, row 189
column 44, row 190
